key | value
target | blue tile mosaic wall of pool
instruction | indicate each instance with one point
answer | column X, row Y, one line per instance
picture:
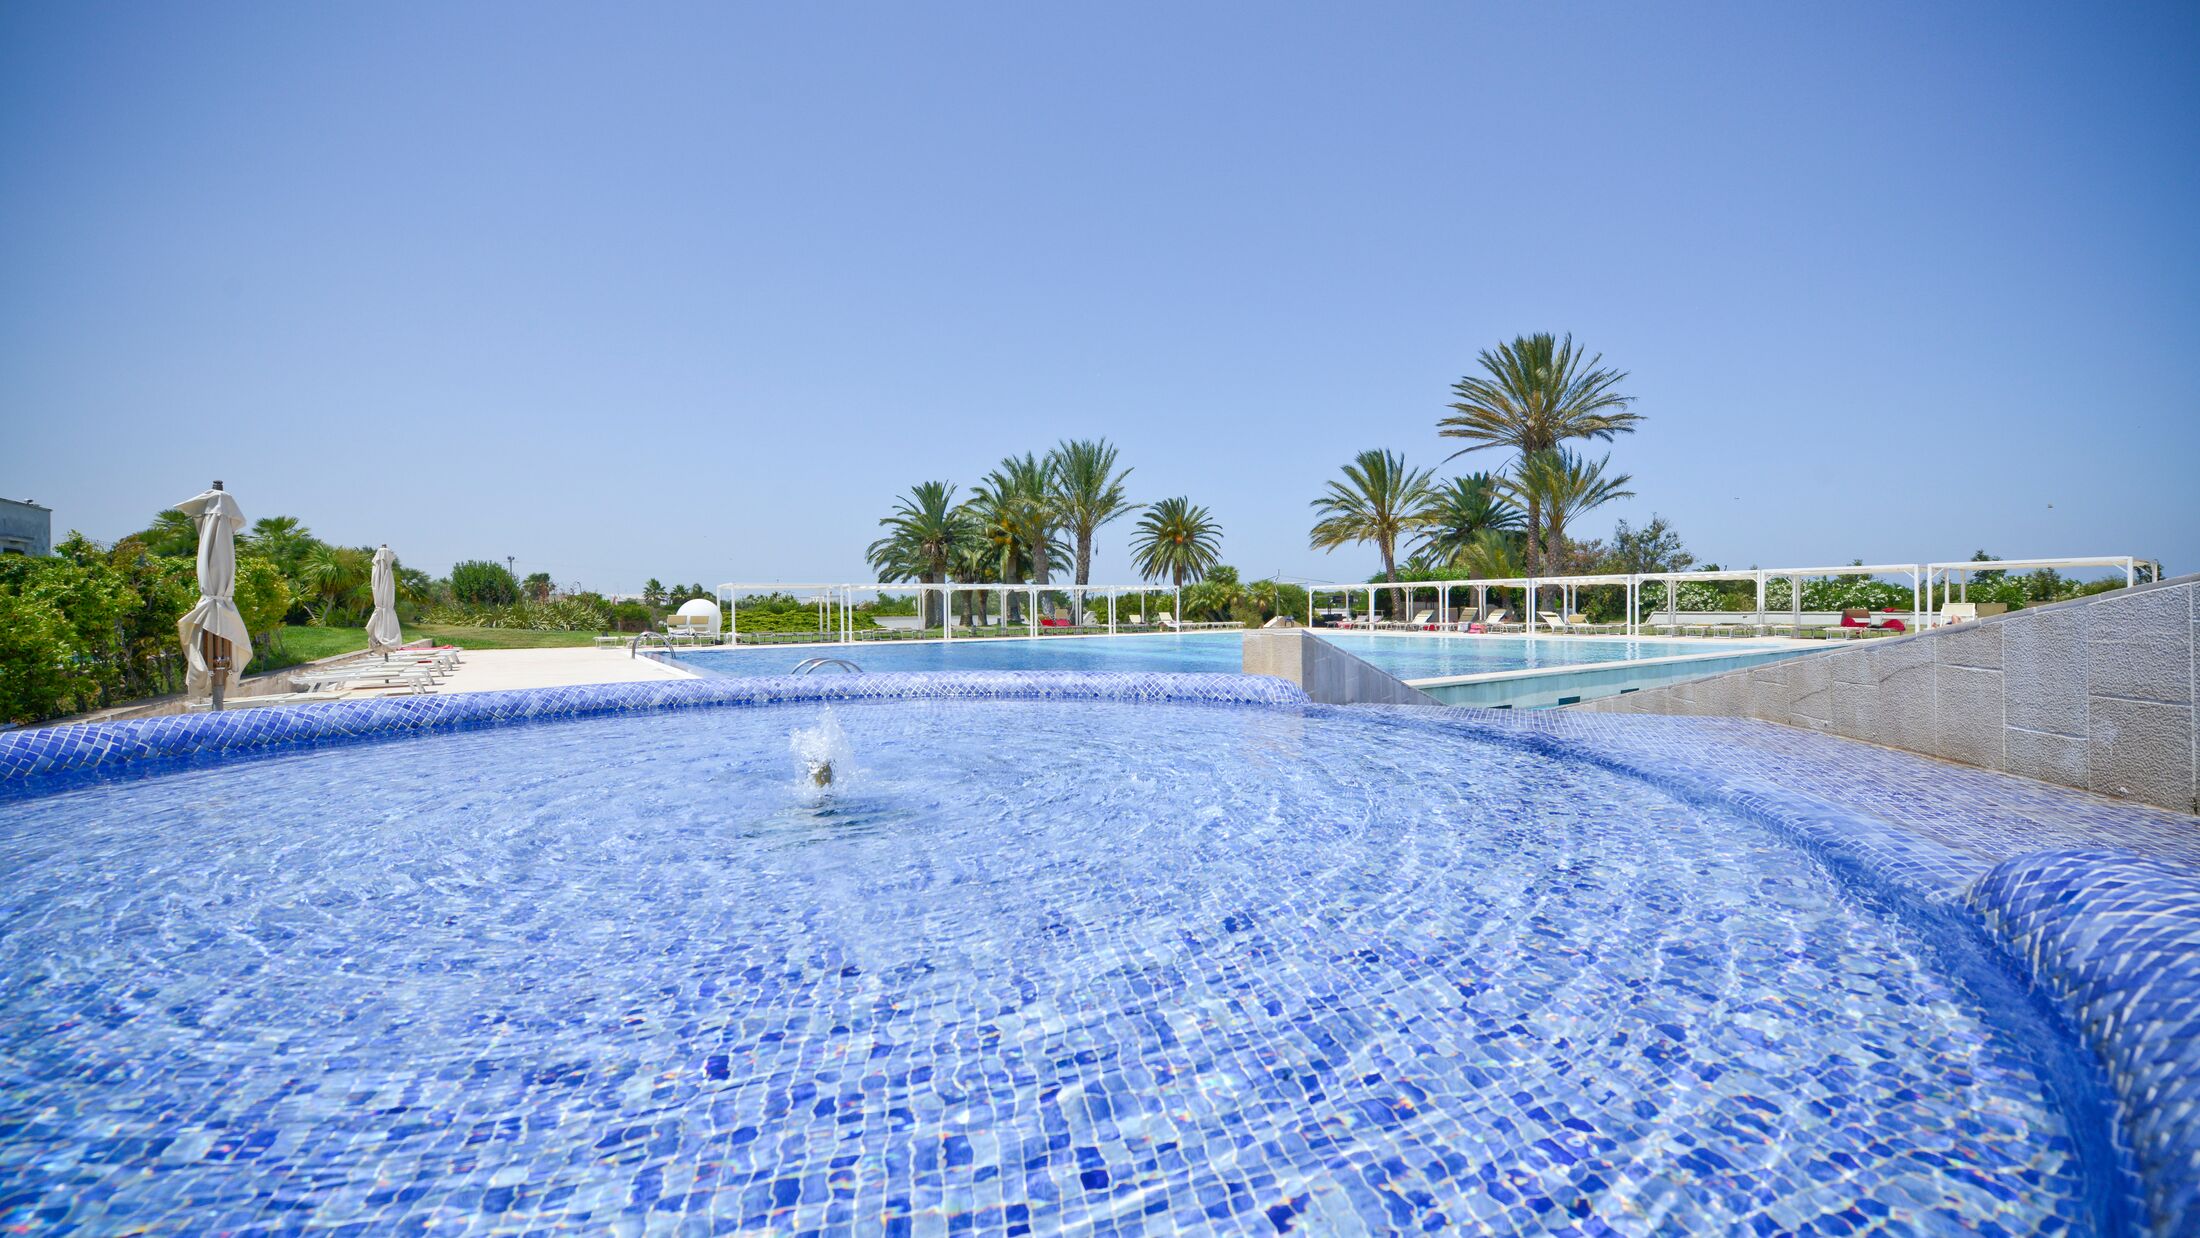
column 1170, row 1059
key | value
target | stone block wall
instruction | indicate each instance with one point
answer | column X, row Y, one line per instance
column 1329, row 675
column 2096, row 693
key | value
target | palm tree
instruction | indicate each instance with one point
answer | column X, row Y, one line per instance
column 1378, row 500
column 1491, row 555
column 923, row 534
column 284, row 539
column 1088, row 492
column 1176, row 540
column 172, row 534
column 1021, row 495
column 339, row 578
column 1462, row 511
column 1563, row 485
column 1534, row 394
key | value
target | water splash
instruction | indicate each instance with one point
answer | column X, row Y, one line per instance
column 825, row 756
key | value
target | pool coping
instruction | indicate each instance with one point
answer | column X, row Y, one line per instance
column 1737, row 649
column 2112, row 938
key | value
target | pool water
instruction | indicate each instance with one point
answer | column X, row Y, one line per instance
column 1407, row 657
column 1144, row 968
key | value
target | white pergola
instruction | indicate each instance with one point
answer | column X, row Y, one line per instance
column 836, row 601
column 1958, row 574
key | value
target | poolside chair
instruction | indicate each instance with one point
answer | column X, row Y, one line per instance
column 1958, row 612
column 1418, row 622
column 1552, row 620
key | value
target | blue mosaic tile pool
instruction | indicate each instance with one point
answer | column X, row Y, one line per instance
column 1051, row 957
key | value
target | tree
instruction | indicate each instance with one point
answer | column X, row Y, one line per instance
column 1022, row 492
column 1215, row 596
column 1654, row 547
column 338, row 579
column 537, row 586
column 1379, row 500
column 1461, row 511
column 1532, row 395
column 1563, row 485
column 283, row 540
column 923, row 534
column 35, row 652
column 171, row 535
column 1088, row 492
column 485, row 582
column 653, row 592
column 1176, row 540
column 262, row 595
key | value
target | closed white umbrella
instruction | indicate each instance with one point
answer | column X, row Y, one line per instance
column 215, row 616
column 382, row 629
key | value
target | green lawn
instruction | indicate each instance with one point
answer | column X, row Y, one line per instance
column 500, row 638
column 303, row 644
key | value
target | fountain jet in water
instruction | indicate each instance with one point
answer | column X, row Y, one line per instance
column 823, row 751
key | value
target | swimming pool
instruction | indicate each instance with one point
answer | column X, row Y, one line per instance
column 1150, row 965
column 1407, row 657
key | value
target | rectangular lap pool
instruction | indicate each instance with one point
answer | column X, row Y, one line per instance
column 1413, row 658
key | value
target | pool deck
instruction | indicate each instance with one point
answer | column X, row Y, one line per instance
column 499, row 670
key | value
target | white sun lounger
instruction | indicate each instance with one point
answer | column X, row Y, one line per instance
column 1170, row 622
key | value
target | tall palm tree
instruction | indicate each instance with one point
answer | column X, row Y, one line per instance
column 1088, row 492
column 1534, row 394
column 922, row 536
column 1379, row 500
column 1460, row 512
column 1176, row 540
column 1563, row 485
column 1022, row 491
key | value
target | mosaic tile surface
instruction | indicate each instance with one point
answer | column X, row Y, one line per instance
column 40, row 752
column 1129, row 968
column 1925, row 837
column 2115, row 937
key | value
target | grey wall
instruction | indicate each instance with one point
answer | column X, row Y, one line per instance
column 25, row 528
column 2096, row 693
column 1329, row 675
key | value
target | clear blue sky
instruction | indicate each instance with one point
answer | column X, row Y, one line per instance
column 691, row 291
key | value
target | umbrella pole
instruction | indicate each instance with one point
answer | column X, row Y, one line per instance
column 215, row 649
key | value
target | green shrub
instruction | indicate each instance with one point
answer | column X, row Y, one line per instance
column 557, row 615
column 478, row 582
column 36, row 652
